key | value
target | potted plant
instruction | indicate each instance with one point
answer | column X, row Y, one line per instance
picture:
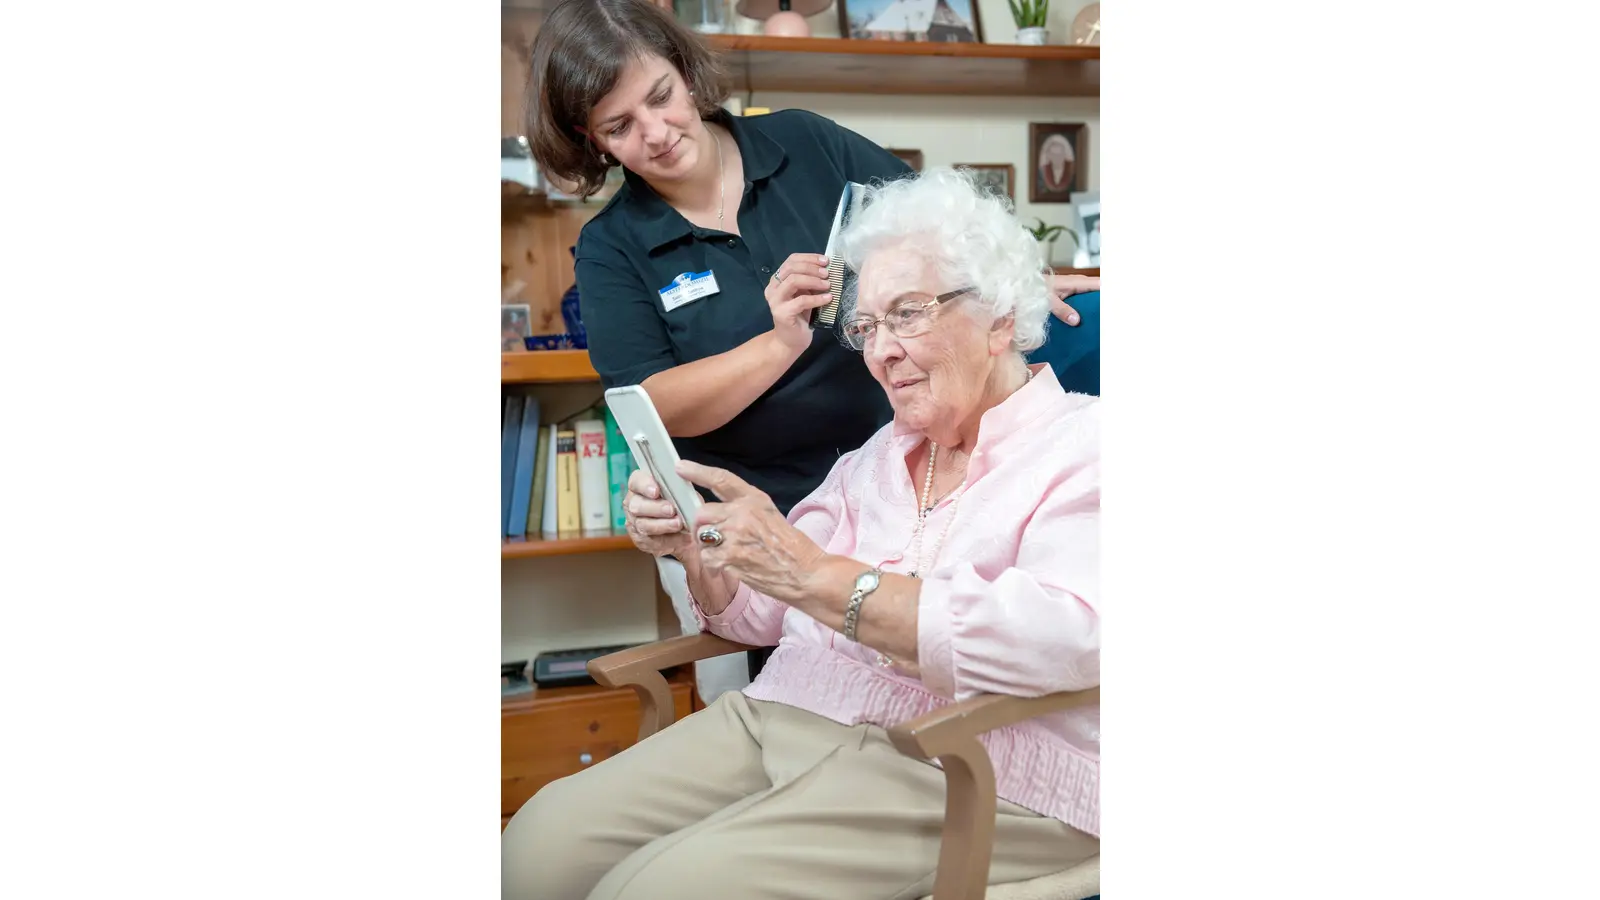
column 1029, row 16
column 1047, row 234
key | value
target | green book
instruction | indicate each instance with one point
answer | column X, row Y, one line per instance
column 620, row 464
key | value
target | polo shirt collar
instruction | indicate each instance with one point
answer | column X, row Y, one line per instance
column 658, row 224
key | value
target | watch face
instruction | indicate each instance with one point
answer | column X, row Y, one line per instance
column 867, row 581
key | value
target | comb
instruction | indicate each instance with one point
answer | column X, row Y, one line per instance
column 827, row 315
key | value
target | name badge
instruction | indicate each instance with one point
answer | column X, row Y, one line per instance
column 687, row 288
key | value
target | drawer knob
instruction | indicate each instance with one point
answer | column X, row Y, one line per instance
column 585, row 758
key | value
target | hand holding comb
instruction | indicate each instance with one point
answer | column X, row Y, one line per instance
column 827, row 315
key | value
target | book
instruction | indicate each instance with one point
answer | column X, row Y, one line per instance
column 594, row 478
column 619, row 465
column 541, row 468
column 547, row 519
column 522, row 487
column 510, row 433
column 568, row 517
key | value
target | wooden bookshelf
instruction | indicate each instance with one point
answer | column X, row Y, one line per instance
column 546, row 366
column 563, row 546
column 846, row 66
column 545, row 697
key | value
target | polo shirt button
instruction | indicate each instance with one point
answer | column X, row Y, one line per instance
column 732, row 242
column 765, row 270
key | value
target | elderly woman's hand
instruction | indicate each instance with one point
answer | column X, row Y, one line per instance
column 1067, row 285
column 652, row 522
column 759, row 546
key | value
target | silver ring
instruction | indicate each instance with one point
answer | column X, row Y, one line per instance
column 710, row 536
column 777, row 277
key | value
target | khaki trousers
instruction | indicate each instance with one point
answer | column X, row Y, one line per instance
column 749, row 799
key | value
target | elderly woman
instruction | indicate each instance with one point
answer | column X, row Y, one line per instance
column 953, row 554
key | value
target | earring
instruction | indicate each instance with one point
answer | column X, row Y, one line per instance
column 605, row 160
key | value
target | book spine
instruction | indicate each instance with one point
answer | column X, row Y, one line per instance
column 619, row 465
column 541, row 468
column 510, row 432
column 522, row 491
column 594, row 481
column 568, row 519
column 547, row 521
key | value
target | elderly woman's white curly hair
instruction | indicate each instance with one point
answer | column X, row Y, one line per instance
column 971, row 237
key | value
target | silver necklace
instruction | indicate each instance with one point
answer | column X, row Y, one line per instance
column 722, row 179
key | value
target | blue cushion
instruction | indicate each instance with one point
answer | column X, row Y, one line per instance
column 1073, row 351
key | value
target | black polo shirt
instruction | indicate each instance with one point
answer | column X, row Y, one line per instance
column 795, row 166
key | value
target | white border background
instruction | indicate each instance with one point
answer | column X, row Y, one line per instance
column 250, row 418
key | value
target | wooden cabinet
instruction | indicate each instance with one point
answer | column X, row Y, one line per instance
column 561, row 731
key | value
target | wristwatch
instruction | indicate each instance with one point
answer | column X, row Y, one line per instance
column 866, row 583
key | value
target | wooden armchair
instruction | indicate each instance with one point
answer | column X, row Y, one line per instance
column 949, row 735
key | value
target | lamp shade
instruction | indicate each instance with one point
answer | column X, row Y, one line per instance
column 766, row 9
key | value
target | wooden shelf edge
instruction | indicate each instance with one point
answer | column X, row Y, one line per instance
column 564, row 546
column 856, row 47
column 546, row 366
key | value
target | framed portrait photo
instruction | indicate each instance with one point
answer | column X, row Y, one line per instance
column 996, row 178
column 1058, row 161
column 911, row 20
column 912, row 158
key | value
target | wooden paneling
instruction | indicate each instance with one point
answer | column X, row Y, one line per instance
column 845, row 66
column 551, row 734
column 536, row 250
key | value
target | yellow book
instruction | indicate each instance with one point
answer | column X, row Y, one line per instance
column 568, row 521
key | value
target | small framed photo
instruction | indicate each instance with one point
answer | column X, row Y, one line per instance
column 912, row 158
column 996, row 178
column 1087, row 207
column 911, row 20
column 1058, row 161
column 514, row 328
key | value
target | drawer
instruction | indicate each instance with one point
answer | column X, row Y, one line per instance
column 561, row 731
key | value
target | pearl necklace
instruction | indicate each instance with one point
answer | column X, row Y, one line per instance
column 924, row 508
column 923, row 511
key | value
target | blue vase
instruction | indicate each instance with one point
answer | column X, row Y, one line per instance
column 570, row 314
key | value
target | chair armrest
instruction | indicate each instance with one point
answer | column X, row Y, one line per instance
column 640, row 668
column 931, row 735
column 950, row 734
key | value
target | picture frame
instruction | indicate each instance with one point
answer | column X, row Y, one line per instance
column 515, row 319
column 912, row 158
column 1058, row 161
column 1086, row 206
column 999, row 178
column 898, row 20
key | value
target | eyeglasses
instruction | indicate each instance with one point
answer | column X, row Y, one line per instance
column 907, row 320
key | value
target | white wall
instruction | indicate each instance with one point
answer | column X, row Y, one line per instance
column 566, row 602
column 950, row 130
